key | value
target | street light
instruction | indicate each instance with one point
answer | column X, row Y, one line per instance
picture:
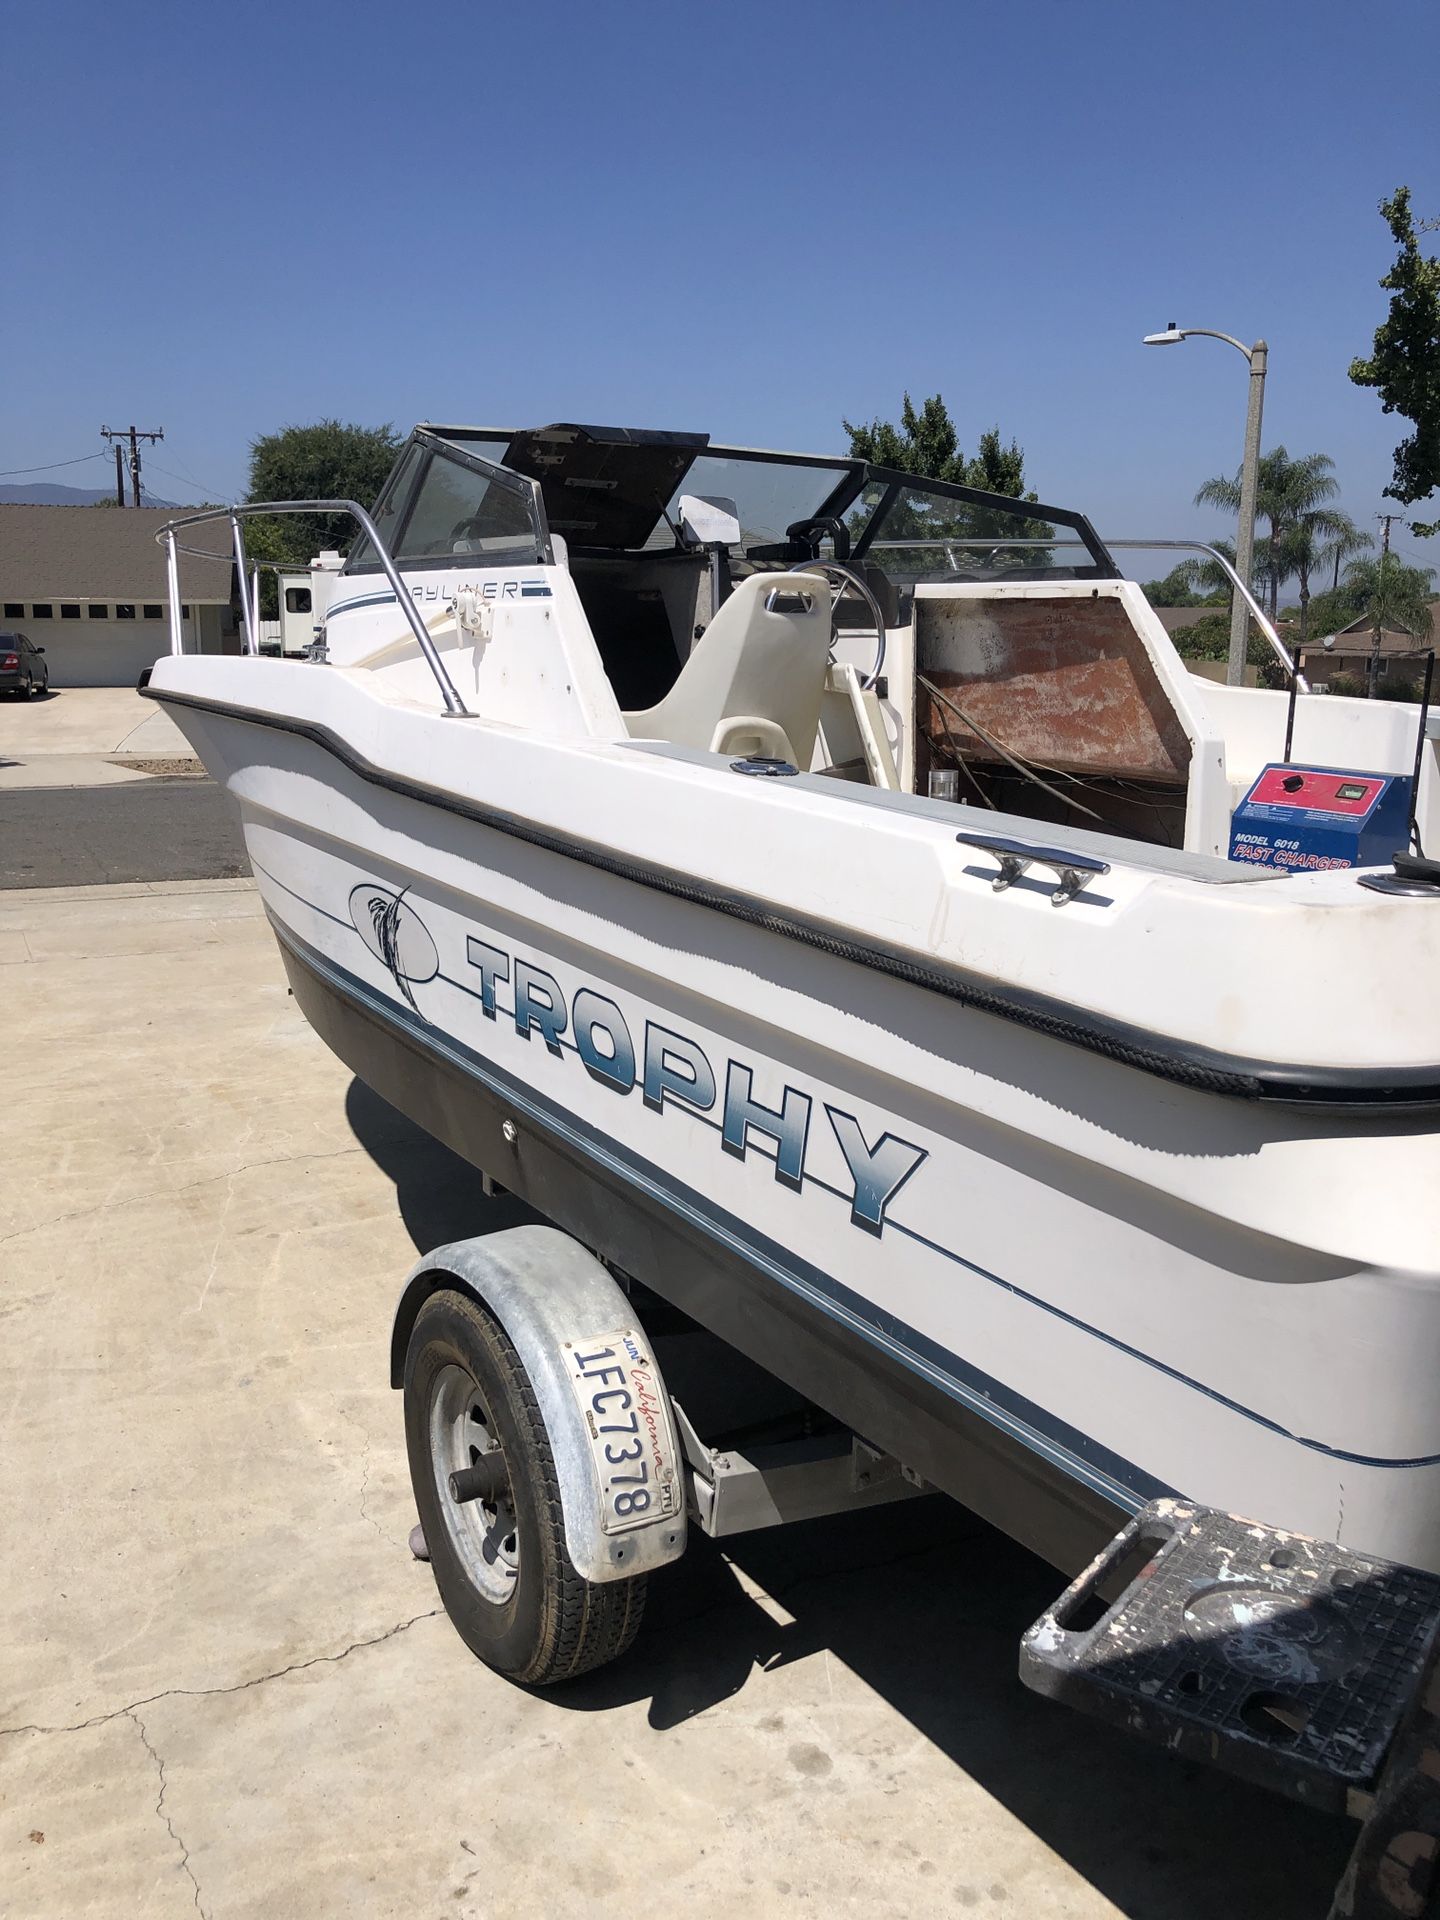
column 1257, row 357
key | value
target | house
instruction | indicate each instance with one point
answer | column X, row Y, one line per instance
column 89, row 585
column 1402, row 656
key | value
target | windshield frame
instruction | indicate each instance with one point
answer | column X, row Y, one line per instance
column 1101, row 564
column 433, row 444
column 852, row 477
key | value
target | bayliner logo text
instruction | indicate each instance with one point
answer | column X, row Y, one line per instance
column 671, row 1070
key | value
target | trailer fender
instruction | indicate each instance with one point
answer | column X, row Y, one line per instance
column 561, row 1309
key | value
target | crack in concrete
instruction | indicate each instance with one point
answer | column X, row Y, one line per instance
column 722, row 1603
column 132, row 1707
column 400, row 1546
column 130, row 1714
column 170, row 1193
column 230, row 1180
column 389, row 1540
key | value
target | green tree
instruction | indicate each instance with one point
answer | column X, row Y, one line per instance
column 1404, row 364
column 271, row 541
column 1174, row 590
column 1193, row 583
column 1290, row 492
column 928, row 444
column 1309, row 542
column 1207, row 639
column 1334, row 609
column 1387, row 593
column 327, row 461
column 1343, row 545
column 1401, row 594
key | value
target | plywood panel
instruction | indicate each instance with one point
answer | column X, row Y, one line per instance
column 1065, row 682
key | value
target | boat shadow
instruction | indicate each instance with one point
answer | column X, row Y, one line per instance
column 440, row 1196
column 925, row 1605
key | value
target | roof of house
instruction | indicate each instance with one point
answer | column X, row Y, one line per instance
column 1175, row 619
column 86, row 553
column 1358, row 639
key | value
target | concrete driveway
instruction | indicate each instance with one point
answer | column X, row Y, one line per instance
column 226, row 1688
column 88, row 721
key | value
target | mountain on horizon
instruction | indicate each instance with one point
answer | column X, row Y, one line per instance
column 47, row 493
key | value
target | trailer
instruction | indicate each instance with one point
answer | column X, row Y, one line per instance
column 566, row 1429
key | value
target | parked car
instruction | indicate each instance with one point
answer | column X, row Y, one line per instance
column 22, row 666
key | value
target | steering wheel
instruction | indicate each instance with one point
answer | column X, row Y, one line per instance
column 846, row 580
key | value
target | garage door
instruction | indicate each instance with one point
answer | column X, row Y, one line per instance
column 100, row 653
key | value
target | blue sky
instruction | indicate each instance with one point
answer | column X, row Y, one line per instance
column 749, row 220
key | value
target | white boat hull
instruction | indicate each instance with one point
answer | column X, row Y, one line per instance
column 1055, row 1285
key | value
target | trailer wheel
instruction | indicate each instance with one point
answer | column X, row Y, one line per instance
column 496, row 1535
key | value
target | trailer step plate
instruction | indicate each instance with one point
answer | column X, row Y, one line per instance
column 1286, row 1660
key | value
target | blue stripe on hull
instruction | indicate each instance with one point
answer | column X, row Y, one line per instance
column 1116, row 1479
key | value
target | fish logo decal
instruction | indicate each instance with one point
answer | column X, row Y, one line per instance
column 396, row 935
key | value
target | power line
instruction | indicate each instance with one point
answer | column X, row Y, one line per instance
column 7, row 472
column 52, row 466
column 187, row 480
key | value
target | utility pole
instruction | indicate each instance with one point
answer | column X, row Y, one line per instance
column 1374, row 674
column 119, row 477
column 134, row 435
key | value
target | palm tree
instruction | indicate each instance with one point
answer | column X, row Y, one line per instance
column 1203, row 576
column 1387, row 593
column 1201, row 579
column 1309, row 542
column 1288, row 491
column 1343, row 545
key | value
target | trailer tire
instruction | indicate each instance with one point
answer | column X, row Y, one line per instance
column 514, row 1597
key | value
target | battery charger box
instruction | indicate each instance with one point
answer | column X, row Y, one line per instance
column 1304, row 818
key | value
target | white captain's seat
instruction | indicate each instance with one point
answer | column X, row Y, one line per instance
column 754, row 680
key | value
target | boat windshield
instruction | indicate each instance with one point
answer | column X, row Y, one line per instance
column 770, row 493
column 913, row 529
column 610, row 490
column 917, row 532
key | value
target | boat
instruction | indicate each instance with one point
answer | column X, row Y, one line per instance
column 826, row 894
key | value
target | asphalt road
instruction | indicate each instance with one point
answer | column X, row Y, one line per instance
column 155, row 829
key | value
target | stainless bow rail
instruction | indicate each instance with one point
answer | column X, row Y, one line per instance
column 455, row 707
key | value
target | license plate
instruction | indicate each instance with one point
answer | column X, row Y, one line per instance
column 632, row 1443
